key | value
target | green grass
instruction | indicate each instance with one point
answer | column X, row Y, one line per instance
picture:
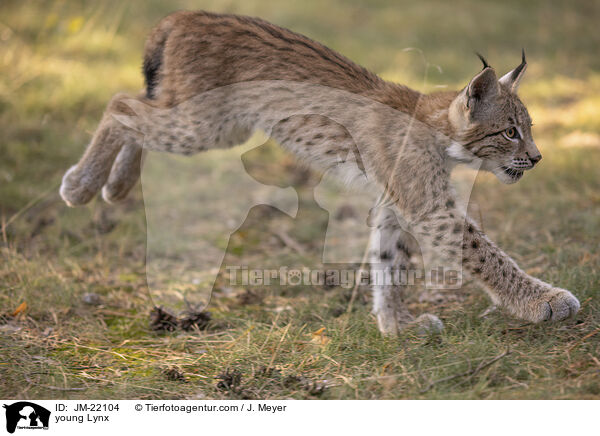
column 59, row 64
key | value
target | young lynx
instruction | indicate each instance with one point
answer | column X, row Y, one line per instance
column 211, row 80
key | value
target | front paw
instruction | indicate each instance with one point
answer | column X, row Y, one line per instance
column 390, row 322
column 74, row 189
column 428, row 324
column 554, row 305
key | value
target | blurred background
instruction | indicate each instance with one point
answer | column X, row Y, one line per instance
column 74, row 300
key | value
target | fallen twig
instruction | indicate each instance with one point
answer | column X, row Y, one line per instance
column 578, row 342
column 470, row 373
column 288, row 241
column 28, row 206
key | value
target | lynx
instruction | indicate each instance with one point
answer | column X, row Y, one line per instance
column 211, row 80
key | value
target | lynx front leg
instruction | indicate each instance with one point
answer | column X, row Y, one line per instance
column 450, row 235
column 522, row 295
column 391, row 248
column 82, row 181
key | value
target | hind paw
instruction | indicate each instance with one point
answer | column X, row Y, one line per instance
column 114, row 193
column 391, row 325
column 75, row 190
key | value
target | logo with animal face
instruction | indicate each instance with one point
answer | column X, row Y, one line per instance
column 26, row 415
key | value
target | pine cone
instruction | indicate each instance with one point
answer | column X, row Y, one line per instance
column 162, row 320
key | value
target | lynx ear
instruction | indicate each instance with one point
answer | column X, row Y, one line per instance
column 512, row 79
column 476, row 99
column 482, row 88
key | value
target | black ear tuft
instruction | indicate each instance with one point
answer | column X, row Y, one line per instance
column 517, row 71
column 512, row 79
column 485, row 64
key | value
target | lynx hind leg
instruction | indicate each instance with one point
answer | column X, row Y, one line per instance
column 83, row 181
column 391, row 248
column 124, row 174
column 179, row 130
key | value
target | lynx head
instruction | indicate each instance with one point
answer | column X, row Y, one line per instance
column 491, row 123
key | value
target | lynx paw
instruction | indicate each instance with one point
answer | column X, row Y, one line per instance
column 424, row 324
column 114, row 194
column 390, row 322
column 428, row 324
column 124, row 173
column 74, row 190
column 555, row 305
column 120, row 183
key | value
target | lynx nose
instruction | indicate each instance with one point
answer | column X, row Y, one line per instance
column 535, row 159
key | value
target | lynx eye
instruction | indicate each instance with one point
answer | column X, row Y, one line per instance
column 511, row 133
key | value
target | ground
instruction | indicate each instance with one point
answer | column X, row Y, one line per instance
column 74, row 299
